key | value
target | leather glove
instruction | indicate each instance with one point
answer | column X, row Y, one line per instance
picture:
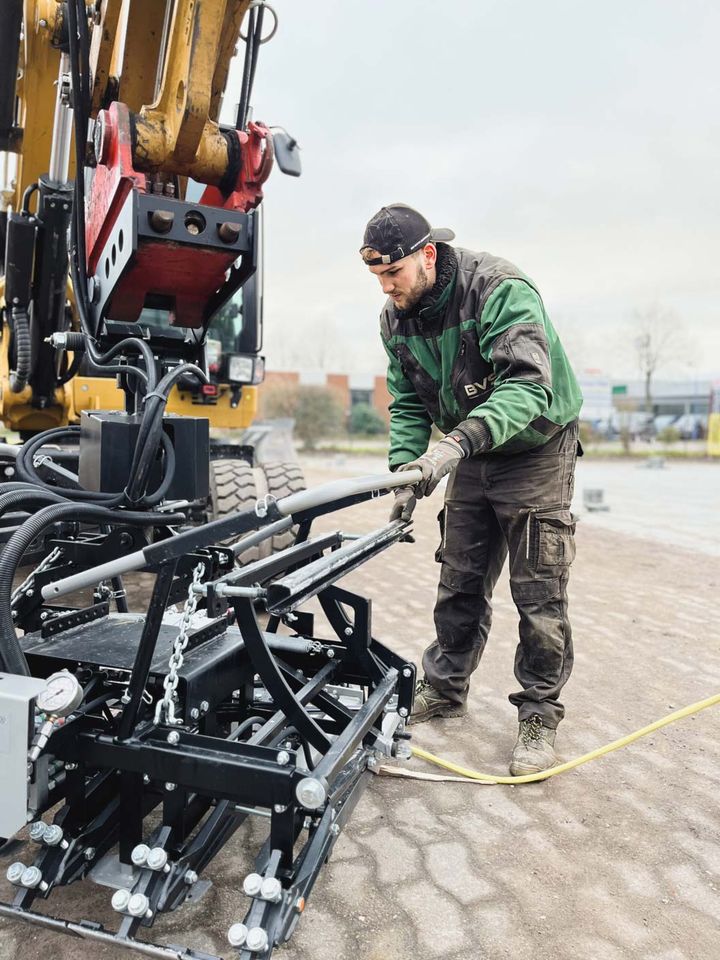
column 435, row 464
column 404, row 504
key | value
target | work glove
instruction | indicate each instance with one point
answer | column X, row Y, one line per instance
column 435, row 464
column 404, row 504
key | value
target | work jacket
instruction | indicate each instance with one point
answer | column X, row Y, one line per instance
column 484, row 347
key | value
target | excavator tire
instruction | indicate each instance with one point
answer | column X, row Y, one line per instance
column 233, row 487
column 282, row 479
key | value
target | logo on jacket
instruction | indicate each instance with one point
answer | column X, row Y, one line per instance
column 479, row 386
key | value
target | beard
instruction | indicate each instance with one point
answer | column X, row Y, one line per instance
column 415, row 294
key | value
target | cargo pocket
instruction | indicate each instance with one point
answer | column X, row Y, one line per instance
column 441, row 549
column 554, row 541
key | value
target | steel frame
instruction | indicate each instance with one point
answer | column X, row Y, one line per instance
column 259, row 720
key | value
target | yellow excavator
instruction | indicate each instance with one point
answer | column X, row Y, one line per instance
column 130, row 222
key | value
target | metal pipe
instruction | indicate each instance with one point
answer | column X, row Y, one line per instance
column 104, row 571
column 252, row 539
column 350, row 487
column 62, row 127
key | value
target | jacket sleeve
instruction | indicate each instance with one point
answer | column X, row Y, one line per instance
column 513, row 338
column 410, row 423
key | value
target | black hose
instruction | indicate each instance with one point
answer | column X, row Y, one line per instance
column 28, row 192
column 21, row 338
column 12, row 659
column 14, row 498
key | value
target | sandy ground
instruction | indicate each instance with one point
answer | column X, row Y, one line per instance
column 618, row 859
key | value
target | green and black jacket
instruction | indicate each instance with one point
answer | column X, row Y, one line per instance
column 481, row 345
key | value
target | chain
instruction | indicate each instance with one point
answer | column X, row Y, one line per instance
column 26, row 584
column 166, row 705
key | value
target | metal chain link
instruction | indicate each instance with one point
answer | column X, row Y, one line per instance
column 166, row 705
column 26, row 584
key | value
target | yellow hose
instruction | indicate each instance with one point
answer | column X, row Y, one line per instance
column 571, row 764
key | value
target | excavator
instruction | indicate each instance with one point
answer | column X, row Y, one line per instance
column 138, row 737
column 192, row 313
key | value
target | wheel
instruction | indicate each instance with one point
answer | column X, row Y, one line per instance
column 282, row 479
column 233, row 488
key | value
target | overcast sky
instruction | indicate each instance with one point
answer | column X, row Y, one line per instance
column 579, row 140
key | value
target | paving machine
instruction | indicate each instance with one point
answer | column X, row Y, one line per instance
column 136, row 739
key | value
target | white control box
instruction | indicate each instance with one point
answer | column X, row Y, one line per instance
column 17, row 726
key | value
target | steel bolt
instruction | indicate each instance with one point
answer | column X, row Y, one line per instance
column 162, row 220
column 194, row 714
column 279, row 808
column 335, row 830
column 170, row 787
column 32, row 878
column 283, row 758
column 190, row 877
column 257, row 940
column 90, row 853
column 348, row 631
column 407, row 672
column 252, row 884
column 271, row 889
column 403, row 711
column 173, row 737
column 120, row 900
column 228, row 232
column 53, row 835
column 37, row 831
column 157, row 858
column 71, row 766
column 139, row 854
column 237, row 934
column 15, row 872
column 138, row 905
column 204, row 706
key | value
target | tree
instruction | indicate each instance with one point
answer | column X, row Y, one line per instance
column 656, row 334
column 317, row 411
column 366, row 419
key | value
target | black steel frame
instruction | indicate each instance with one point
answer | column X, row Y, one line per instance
column 243, row 750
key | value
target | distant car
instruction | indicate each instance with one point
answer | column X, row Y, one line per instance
column 691, row 426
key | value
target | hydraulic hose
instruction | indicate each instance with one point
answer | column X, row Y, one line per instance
column 463, row 773
column 26, row 498
column 21, row 337
column 12, row 659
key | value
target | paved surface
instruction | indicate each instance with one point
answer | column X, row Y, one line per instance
column 619, row 859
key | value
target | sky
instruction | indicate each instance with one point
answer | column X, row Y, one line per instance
column 579, row 140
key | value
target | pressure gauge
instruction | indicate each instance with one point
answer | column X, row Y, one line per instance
column 61, row 696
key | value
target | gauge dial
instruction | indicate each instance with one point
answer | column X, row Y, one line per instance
column 62, row 695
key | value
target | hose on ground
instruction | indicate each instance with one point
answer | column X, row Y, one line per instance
column 464, row 774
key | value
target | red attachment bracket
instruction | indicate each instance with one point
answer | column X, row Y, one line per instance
column 256, row 152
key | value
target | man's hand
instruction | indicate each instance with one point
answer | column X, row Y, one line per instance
column 404, row 504
column 435, row 464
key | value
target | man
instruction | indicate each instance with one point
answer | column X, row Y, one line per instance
column 472, row 350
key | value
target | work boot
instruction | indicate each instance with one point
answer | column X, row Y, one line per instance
column 534, row 748
column 429, row 703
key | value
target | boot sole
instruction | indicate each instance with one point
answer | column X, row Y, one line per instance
column 520, row 770
column 443, row 713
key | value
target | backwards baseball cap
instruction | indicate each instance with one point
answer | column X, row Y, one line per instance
column 396, row 232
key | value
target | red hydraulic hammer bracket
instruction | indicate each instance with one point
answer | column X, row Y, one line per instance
column 256, row 161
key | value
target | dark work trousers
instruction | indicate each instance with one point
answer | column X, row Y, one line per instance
column 495, row 505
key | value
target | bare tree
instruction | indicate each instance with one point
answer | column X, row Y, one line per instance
column 656, row 335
